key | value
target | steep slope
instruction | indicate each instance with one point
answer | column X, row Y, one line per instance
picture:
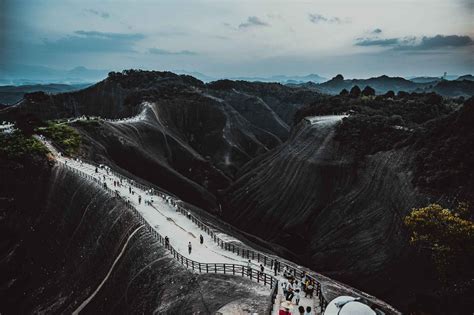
column 340, row 213
column 112, row 97
column 190, row 145
column 310, row 175
column 59, row 244
column 283, row 100
column 194, row 137
column 332, row 192
column 192, row 142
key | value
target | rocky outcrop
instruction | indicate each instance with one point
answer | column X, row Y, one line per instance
column 189, row 146
column 339, row 215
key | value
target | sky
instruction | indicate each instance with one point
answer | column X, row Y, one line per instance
column 228, row 38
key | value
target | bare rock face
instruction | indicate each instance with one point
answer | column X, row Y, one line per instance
column 189, row 146
column 303, row 191
column 340, row 216
column 193, row 137
column 58, row 244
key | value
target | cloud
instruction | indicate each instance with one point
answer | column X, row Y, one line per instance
column 441, row 41
column 220, row 37
column 114, row 36
column 377, row 42
column 94, row 41
column 171, row 33
column 101, row 14
column 318, row 18
column 158, row 51
column 253, row 21
column 424, row 43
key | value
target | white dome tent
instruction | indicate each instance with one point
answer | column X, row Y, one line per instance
column 348, row 305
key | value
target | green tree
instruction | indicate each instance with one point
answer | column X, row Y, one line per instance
column 368, row 91
column 447, row 234
column 344, row 92
column 355, row 92
column 66, row 137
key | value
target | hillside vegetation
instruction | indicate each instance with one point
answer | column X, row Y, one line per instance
column 63, row 135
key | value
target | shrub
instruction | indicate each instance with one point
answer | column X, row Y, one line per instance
column 368, row 91
column 18, row 145
column 389, row 94
column 355, row 92
column 344, row 92
column 62, row 135
column 448, row 235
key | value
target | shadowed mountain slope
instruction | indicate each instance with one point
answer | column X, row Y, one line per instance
column 333, row 192
column 190, row 138
column 337, row 191
column 58, row 245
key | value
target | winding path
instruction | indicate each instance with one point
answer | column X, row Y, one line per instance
column 160, row 214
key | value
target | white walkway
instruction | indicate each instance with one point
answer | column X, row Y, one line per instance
column 163, row 217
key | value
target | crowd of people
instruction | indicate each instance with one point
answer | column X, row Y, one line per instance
column 293, row 290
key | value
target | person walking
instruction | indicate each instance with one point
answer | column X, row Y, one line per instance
column 284, row 286
column 262, row 269
column 309, row 290
column 275, row 266
column 300, row 310
column 308, row 311
column 303, row 277
column 290, row 291
column 190, row 247
column 298, row 297
column 139, row 200
column 96, row 170
column 129, row 189
column 201, row 239
column 249, row 268
column 167, row 242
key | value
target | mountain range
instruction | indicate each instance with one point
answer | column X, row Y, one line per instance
column 331, row 196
